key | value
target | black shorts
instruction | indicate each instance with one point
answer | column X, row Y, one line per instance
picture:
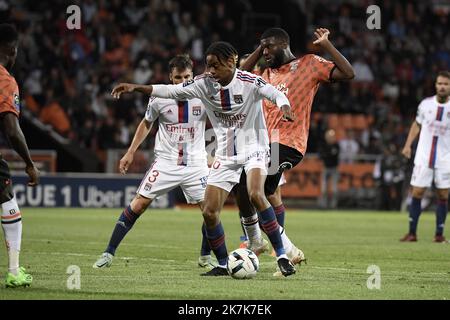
column 285, row 159
column 6, row 192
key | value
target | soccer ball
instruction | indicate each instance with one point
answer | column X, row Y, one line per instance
column 242, row 264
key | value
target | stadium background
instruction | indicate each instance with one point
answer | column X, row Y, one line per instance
column 73, row 125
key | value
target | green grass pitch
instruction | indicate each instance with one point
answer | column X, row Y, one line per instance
column 158, row 258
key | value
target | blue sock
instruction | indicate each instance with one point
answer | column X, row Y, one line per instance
column 279, row 213
column 206, row 249
column 415, row 210
column 123, row 225
column 272, row 229
column 441, row 214
column 216, row 239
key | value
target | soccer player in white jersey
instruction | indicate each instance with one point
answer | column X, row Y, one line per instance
column 180, row 157
column 432, row 160
column 233, row 101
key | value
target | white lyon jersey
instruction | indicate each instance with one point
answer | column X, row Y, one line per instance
column 433, row 148
column 181, row 135
column 235, row 111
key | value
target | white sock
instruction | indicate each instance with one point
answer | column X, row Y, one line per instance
column 282, row 256
column 252, row 229
column 12, row 228
column 13, row 256
column 287, row 244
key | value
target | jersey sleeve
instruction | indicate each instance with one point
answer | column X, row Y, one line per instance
column 152, row 112
column 183, row 91
column 266, row 90
column 9, row 96
column 420, row 115
column 321, row 68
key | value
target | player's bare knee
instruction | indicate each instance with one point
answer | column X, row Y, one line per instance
column 442, row 194
column 140, row 204
column 210, row 215
column 418, row 192
column 274, row 200
column 257, row 197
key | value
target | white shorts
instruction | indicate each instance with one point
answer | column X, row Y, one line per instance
column 164, row 176
column 226, row 173
column 423, row 176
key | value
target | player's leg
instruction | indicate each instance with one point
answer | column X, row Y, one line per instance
column 255, row 185
column 277, row 203
column 193, row 187
column 126, row 221
column 12, row 229
column 422, row 178
column 278, row 206
column 214, row 200
column 124, row 224
column 249, row 218
column 282, row 158
column 205, row 260
column 159, row 179
column 442, row 181
column 222, row 177
column 287, row 158
column 441, row 214
column 236, row 191
column 415, row 210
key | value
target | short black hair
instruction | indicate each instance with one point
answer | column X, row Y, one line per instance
column 181, row 62
column 222, row 50
column 444, row 73
column 277, row 33
column 8, row 34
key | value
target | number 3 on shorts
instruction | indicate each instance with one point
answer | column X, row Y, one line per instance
column 152, row 178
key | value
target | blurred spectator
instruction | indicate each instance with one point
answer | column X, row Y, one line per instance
column 186, row 30
column 362, row 71
column 143, row 73
column 53, row 114
column 329, row 154
column 348, row 147
column 390, row 174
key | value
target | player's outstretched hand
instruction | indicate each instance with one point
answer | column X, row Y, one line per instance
column 288, row 115
column 122, row 88
column 406, row 152
column 34, row 174
column 125, row 162
column 322, row 36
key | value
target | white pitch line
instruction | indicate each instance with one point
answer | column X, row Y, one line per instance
column 362, row 271
column 102, row 243
column 92, row 255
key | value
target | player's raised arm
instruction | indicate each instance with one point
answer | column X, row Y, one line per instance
column 181, row 91
column 250, row 62
column 269, row 92
column 343, row 70
column 121, row 88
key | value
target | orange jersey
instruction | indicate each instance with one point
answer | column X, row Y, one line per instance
column 299, row 80
column 9, row 93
